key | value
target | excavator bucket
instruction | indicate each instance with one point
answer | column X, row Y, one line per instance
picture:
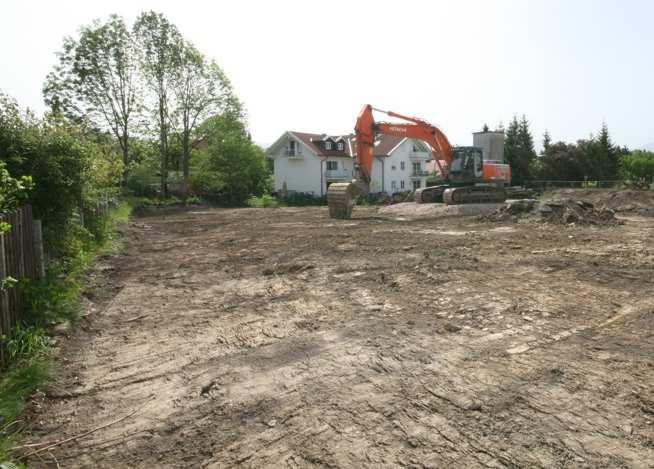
column 341, row 197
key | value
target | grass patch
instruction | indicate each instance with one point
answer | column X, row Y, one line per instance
column 50, row 301
column 290, row 200
column 153, row 202
column 265, row 201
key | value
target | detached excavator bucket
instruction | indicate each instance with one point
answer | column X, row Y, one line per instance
column 340, row 199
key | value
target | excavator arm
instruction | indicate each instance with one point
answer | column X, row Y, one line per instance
column 366, row 129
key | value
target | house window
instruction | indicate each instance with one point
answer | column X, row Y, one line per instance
column 340, row 146
column 393, row 167
column 393, row 185
column 401, row 184
column 328, row 145
column 402, row 165
column 332, row 165
column 416, row 167
column 416, row 184
column 290, row 151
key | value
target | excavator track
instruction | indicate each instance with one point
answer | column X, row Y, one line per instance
column 474, row 195
column 427, row 195
column 340, row 199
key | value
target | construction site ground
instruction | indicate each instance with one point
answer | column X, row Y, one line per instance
column 282, row 338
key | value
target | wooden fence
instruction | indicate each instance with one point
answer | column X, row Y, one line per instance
column 21, row 256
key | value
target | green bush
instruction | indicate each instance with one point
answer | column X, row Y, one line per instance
column 637, row 168
column 72, row 169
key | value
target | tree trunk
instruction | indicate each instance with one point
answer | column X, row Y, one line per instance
column 163, row 148
column 185, row 165
column 125, row 162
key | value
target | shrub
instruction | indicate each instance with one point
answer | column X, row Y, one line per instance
column 264, row 201
column 637, row 168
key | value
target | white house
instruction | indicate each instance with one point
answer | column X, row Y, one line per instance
column 308, row 163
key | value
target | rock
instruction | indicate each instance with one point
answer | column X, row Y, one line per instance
column 449, row 327
column 63, row 328
column 628, row 429
column 474, row 405
column 518, row 349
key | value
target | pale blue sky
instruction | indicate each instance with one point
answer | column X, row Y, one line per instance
column 311, row 65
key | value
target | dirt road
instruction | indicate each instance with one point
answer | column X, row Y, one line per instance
column 280, row 338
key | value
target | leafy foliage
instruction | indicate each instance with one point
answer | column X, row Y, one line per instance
column 160, row 45
column 96, row 80
column 70, row 168
column 201, row 90
column 264, row 201
column 232, row 168
column 13, row 192
column 596, row 158
column 638, row 168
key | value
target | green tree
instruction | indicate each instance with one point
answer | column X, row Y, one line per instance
column 638, row 168
column 161, row 46
column 563, row 161
column 519, row 150
column 201, row 90
column 96, row 79
column 547, row 141
column 232, row 168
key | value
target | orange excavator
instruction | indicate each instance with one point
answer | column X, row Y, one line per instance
column 466, row 177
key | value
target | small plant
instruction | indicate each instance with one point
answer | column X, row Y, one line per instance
column 264, row 201
column 193, row 200
column 26, row 342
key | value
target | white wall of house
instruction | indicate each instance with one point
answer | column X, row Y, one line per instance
column 399, row 170
column 300, row 173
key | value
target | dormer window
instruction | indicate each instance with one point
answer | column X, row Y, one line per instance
column 328, row 145
column 290, row 150
column 340, row 146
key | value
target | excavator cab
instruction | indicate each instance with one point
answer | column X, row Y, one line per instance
column 467, row 165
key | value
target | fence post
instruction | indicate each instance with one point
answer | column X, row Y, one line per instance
column 38, row 249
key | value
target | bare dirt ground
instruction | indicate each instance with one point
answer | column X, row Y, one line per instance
column 281, row 338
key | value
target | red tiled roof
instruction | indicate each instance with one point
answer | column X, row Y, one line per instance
column 386, row 144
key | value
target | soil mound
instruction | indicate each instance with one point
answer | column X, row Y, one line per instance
column 579, row 212
column 623, row 201
column 556, row 211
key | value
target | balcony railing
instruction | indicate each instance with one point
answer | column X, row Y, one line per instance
column 419, row 155
column 419, row 173
column 292, row 153
column 338, row 174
